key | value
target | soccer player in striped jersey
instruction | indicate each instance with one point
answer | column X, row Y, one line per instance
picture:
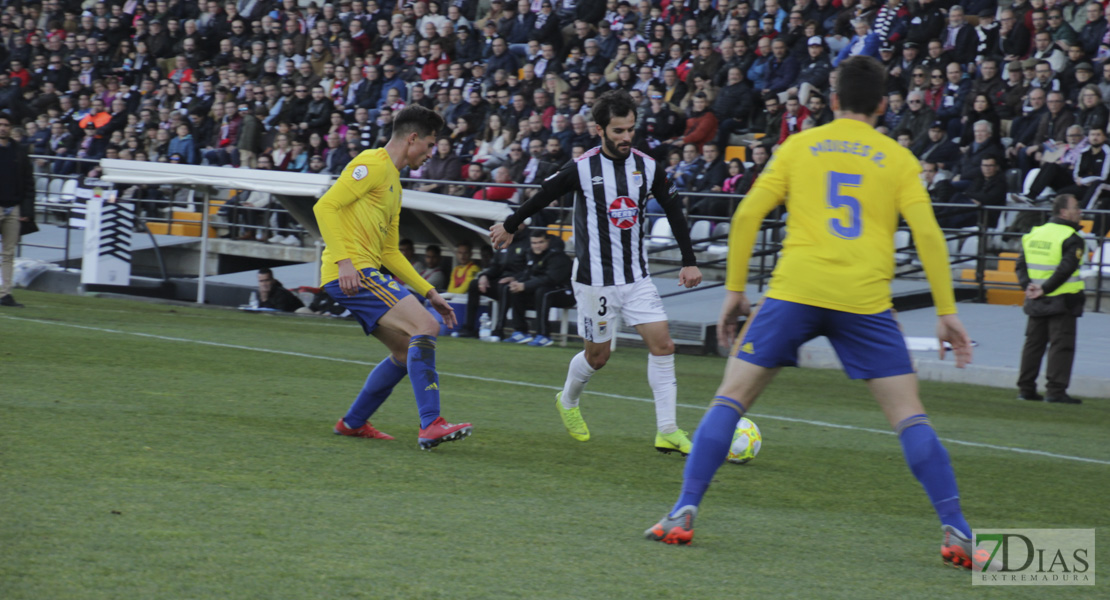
column 845, row 186
column 611, row 185
column 358, row 219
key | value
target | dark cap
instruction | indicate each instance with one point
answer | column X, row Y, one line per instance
column 1084, row 66
column 815, row 41
column 986, row 13
column 910, row 45
column 886, row 47
column 937, row 125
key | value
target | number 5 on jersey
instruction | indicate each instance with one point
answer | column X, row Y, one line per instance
column 852, row 227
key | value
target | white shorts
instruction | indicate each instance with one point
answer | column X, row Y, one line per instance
column 599, row 306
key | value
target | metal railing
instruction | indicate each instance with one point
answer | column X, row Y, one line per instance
column 56, row 204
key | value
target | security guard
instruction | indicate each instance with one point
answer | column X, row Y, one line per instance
column 1048, row 270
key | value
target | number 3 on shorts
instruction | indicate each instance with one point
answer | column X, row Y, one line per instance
column 601, row 300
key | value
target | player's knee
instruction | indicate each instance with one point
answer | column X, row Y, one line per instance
column 596, row 361
column 665, row 348
column 428, row 326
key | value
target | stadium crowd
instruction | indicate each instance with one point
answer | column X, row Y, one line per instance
column 974, row 89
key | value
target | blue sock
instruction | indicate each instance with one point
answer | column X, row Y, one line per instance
column 928, row 460
column 711, row 442
column 425, row 381
column 377, row 388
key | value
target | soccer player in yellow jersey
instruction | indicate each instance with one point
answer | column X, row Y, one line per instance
column 358, row 219
column 844, row 185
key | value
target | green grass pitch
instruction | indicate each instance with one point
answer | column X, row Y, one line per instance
column 153, row 451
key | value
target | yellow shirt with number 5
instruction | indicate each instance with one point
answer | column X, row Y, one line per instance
column 844, row 186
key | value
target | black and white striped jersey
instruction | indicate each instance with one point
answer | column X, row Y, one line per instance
column 610, row 197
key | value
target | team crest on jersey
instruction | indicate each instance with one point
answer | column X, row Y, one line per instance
column 360, row 172
column 623, row 212
column 637, row 178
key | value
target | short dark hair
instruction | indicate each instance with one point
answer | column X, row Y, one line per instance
column 539, row 233
column 614, row 103
column 433, row 249
column 1061, row 202
column 416, row 118
column 266, row 271
column 861, row 84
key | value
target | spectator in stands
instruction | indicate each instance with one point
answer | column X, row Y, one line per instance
column 497, row 193
column 1091, row 169
column 433, row 269
column 444, row 165
column 936, row 182
column 1050, row 129
column 1048, row 271
column 981, row 110
column 701, row 124
column 760, row 156
column 464, row 271
column 271, row 294
column 506, row 266
column 918, row 117
column 408, row 250
column 988, row 188
column 547, row 270
column 936, row 148
column 1057, row 169
column 184, row 145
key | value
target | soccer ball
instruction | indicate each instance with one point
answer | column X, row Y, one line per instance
column 745, row 442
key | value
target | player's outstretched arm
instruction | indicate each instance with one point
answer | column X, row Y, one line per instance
column 951, row 330
column 554, row 187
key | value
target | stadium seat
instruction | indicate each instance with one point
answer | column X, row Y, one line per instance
column 720, row 245
column 1007, row 261
column 1014, row 181
column 68, row 191
column 902, row 239
column 54, row 190
column 562, row 231
column 732, row 152
column 41, row 184
column 700, row 231
column 661, row 234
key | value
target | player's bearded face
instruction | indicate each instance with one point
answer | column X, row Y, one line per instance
column 617, row 137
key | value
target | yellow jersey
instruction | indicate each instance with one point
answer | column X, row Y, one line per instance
column 359, row 219
column 844, row 186
column 461, row 276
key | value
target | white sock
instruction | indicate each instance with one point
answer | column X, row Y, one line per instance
column 578, row 375
column 664, row 387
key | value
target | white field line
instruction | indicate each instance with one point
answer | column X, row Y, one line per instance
column 546, row 387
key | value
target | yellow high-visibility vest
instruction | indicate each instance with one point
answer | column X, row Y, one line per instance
column 1043, row 248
